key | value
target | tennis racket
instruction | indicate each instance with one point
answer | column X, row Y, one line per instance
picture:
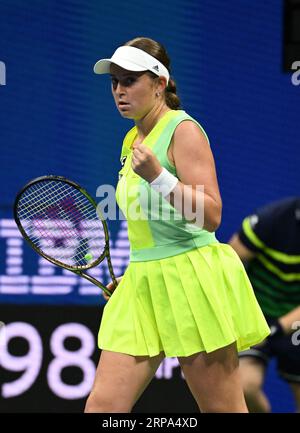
column 63, row 224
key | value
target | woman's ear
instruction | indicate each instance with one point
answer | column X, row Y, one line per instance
column 162, row 84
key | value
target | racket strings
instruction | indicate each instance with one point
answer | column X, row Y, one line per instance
column 62, row 222
column 32, row 203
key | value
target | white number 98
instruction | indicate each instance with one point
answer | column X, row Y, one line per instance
column 31, row 362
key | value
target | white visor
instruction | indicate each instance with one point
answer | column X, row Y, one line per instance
column 132, row 59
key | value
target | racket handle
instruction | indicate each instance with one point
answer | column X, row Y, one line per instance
column 111, row 271
column 97, row 283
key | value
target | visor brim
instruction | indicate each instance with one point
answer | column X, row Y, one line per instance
column 103, row 66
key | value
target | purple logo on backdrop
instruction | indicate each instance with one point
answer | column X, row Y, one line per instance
column 48, row 279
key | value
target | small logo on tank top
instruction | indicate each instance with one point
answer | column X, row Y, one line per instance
column 122, row 160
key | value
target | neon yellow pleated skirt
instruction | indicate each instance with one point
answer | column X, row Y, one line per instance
column 200, row 300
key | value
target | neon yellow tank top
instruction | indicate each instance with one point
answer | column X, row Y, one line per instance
column 155, row 228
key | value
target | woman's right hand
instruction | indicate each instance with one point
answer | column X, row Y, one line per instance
column 111, row 287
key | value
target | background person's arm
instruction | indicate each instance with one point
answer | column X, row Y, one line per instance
column 244, row 253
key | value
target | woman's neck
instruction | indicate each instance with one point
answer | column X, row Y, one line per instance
column 147, row 123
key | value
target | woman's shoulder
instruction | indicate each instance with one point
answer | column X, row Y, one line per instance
column 189, row 127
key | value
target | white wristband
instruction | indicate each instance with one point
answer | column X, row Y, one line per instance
column 164, row 183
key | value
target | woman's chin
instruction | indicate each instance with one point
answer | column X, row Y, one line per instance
column 126, row 114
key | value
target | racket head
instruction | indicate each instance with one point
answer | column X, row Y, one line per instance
column 62, row 223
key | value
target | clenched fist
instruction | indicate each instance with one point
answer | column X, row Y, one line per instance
column 144, row 162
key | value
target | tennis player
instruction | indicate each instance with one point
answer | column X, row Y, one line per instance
column 184, row 294
column 268, row 242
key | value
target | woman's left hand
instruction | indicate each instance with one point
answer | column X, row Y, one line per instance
column 145, row 163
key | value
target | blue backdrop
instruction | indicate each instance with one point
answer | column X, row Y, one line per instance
column 57, row 117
